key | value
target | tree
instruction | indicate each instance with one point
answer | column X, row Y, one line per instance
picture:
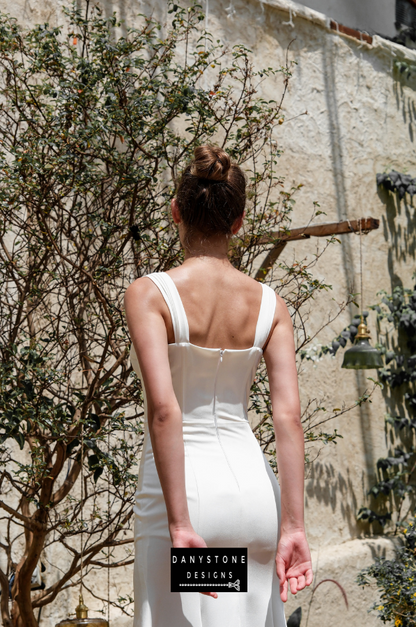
column 395, row 581
column 94, row 130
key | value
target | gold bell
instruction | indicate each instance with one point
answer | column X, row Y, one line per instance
column 362, row 356
column 82, row 619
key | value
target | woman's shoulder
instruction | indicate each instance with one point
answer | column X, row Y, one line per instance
column 250, row 283
column 142, row 290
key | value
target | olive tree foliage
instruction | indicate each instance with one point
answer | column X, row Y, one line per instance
column 94, row 129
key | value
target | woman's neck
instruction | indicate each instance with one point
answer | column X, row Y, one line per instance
column 205, row 248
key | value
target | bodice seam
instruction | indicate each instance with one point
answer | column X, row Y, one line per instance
column 209, row 348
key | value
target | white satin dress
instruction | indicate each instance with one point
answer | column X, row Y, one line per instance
column 233, row 495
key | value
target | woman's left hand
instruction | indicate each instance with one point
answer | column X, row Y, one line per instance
column 293, row 563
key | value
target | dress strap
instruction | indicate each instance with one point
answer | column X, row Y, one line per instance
column 266, row 315
column 170, row 293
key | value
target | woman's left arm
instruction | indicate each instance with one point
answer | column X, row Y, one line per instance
column 293, row 559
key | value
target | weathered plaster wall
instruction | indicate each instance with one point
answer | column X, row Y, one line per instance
column 360, row 120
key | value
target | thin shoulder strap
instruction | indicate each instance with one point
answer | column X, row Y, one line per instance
column 170, row 293
column 266, row 315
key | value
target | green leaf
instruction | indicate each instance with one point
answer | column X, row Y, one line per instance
column 20, row 439
column 97, row 473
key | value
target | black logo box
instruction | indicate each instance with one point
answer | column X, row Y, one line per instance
column 208, row 570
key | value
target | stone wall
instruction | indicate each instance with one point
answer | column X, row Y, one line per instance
column 348, row 115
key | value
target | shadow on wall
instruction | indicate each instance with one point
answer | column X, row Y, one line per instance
column 331, row 73
column 405, row 102
column 327, row 486
column 399, row 221
column 399, row 227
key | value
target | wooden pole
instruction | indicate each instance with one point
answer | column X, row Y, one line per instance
column 280, row 238
column 269, row 261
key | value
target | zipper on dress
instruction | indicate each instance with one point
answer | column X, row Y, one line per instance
column 214, row 408
column 222, row 351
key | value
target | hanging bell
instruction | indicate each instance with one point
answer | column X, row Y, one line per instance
column 82, row 619
column 362, row 356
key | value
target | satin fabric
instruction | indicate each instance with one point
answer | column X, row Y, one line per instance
column 233, row 495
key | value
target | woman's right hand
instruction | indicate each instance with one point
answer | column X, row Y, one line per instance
column 187, row 538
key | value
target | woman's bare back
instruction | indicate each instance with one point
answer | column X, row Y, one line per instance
column 222, row 305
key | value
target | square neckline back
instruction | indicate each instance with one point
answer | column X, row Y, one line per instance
column 170, row 293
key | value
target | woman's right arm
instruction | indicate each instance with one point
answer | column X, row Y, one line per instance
column 143, row 305
column 148, row 333
column 293, row 560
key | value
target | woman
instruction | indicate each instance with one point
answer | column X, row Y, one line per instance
column 198, row 333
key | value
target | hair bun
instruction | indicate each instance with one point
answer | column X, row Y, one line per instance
column 210, row 163
column 211, row 193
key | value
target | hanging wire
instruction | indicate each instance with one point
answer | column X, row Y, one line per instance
column 360, row 233
column 108, row 514
column 361, row 267
column 82, row 510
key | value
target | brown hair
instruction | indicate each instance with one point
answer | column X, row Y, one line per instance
column 211, row 192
